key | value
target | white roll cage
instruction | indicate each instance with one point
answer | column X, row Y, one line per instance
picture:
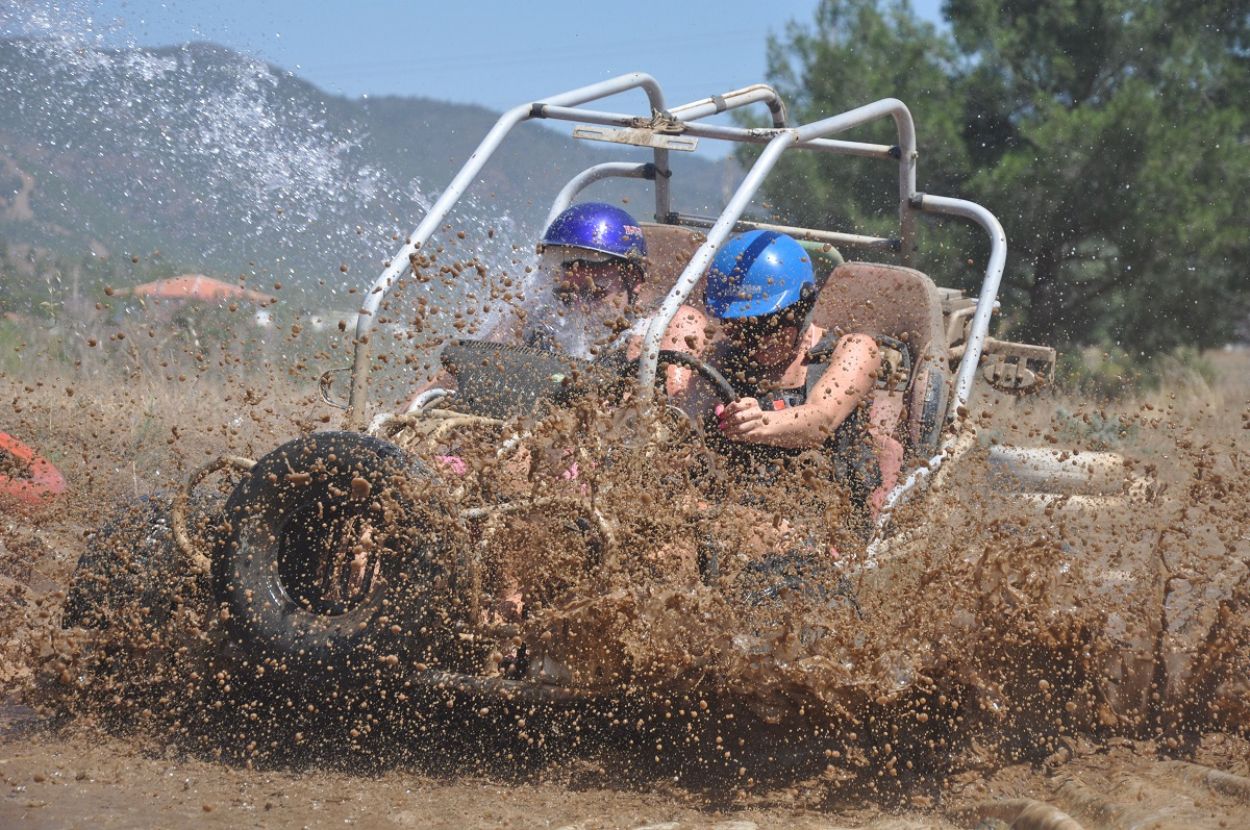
column 656, row 130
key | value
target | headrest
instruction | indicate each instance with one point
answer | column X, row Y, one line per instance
column 883, row 299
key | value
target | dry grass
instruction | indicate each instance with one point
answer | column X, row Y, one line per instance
column 1207, row 397
column 129, row 411
column 127, row 420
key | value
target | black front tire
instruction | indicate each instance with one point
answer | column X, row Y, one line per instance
column 278, row 578
column 132, row 572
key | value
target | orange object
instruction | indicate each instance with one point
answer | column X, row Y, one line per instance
column 25, row 475
column 197, row 287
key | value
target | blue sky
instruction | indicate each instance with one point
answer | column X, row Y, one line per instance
column 492, row 53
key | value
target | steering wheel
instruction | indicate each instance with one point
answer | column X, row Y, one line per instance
column 720, row 386
column 669, row 357
column 625, row 369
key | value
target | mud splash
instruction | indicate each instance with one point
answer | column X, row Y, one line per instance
column 1018, row 640
column 224, row 162
column 1123, row 626
column 1023, row 652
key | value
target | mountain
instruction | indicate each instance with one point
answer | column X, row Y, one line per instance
column 226, row 165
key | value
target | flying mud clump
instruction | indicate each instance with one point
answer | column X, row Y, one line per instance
column 1015, row 628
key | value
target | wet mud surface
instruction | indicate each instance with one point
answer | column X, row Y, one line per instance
column 1017, row 663
column 80, row 778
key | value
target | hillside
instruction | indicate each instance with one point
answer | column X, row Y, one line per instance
column 226, row 165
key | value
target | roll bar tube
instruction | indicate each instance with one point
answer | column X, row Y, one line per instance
column 986, row 300
column 978, row 331
column 811, row 234
column 907, row 157
column 400, row 262
column 715, row 104
column 749, row 135
column 712, row 105
column 703, row 257
column 607, row 170
column 782, row 140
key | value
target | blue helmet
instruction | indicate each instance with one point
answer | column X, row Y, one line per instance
column 758, row 273
column 596, row 226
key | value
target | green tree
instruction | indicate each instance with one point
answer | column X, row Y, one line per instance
column 1109, row 136
column 858, row 52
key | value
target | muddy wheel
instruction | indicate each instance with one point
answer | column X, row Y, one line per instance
column 132, row 571
column 334, row 562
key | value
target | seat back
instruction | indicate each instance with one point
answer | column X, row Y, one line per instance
column 904, row 304
column 669, row 250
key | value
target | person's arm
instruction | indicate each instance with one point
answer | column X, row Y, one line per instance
column 850, row 377
column 686, row 333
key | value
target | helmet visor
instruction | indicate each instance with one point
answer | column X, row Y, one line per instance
column 764, row 324
column 582, row 275
column 764, row 332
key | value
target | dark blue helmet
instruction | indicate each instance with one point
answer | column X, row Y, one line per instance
column 596, row 226
column 758, row 273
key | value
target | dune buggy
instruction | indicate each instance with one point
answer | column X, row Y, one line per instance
column 370, row 549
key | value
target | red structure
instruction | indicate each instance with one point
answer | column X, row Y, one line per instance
column 25, row 475
column 198, row 288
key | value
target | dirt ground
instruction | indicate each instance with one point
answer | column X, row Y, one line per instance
column 68, row 766
column 82, row 778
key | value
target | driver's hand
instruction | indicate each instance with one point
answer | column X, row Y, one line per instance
column 742, row 420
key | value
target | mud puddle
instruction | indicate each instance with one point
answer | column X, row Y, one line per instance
column 84, row 778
